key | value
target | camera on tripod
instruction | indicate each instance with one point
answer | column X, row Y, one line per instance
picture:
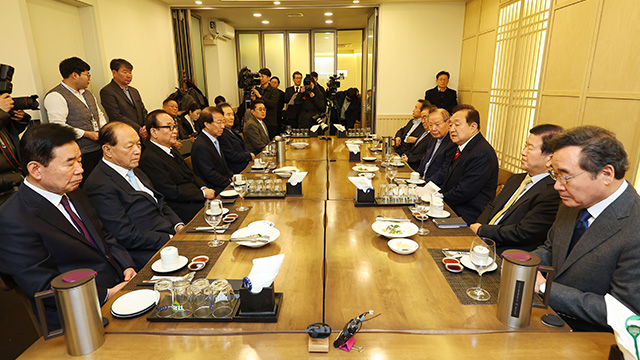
column 333, row 84
column 19, row 103
column 247, row 80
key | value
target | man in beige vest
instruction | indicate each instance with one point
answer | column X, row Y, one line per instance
column 71, row 104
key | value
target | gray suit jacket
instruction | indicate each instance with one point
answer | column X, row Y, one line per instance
column 254, row 136
column 119, row 108
column 605, row 260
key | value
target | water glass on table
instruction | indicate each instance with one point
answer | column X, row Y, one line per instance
column 422, row 209
column 201, row 298
column 181, row 301
column 482, row 255
column 213, row 215
column 240, row 186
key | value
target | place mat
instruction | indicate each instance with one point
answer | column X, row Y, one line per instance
column 199, row 221
column 190, row 249
column 460, row 282
column 436, row 231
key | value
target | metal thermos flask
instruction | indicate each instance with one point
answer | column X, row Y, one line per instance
column 79, row 310
column 281, row 149
column 387, row 146
column 517, row 287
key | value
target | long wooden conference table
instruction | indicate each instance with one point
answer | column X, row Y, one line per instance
column 335, row 268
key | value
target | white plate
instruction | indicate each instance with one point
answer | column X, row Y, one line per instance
column 157, row 265
column 365, row 168
column 369, row 158
column 397, row 164
column 263, row 230
column 445, row 214
column 404, row 229
column 229, row 193
column 403, row 246
column 419, row 182
column 261, row 223
column 300, row 145
column 261, row 167
column 287, row 168
column 466, row 261
column 134, row 302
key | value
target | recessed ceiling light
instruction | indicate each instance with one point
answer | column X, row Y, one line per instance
column 276, row 3
column 257, row 14
column 329, row 21
column 328, row 14
column 199, row 2
column 265, row 21
column 328, row 33
column 356, row 1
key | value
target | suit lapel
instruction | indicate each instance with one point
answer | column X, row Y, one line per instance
column 506, row 194
column 122, row 95
column 538, row 187
column 123, row 183
column 219, row 156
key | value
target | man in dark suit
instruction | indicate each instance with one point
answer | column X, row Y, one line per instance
column 270, row 96
column 441, row 96
column 171, row 176
column 275, row 83
column 208, row 160
column 292, row 109
column 439, row 149
column 233, row 148
column 348, row 107
column 594, row 243
column 407, row 135
column 521, row 215
column 471, row 178
column 128, row 205
column 122, row 102
column 49, row 226
column 321, row 89
column 256, row 134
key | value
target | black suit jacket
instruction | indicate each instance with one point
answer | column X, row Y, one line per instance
column 402, row 132
column 291, row 115
column 38, row 243
column 173, row 178
column 444, row 100
column 235, row 153
column 440, row 162
column 140, row 223
column 470, row 181
column 119, row 108
column 353, row 110
column 526, row 223
column 416, row 153
column 186, row 127
column 210, row 166
column 271, row 98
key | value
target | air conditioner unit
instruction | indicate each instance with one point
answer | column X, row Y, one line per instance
column 222, row 30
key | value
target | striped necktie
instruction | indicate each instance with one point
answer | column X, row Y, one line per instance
column 523, row 185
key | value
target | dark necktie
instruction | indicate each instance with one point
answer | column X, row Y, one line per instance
column 433, row 151
column 457, row 154
column 581, row 225
column 76, row 220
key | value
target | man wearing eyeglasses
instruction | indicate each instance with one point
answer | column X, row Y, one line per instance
column 71, row 104
column 171, row 176
column 256, row 134
column 208, row 160
column 594, row 243
column 522, row 213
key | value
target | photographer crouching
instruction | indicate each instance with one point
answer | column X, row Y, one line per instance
column 311, row 103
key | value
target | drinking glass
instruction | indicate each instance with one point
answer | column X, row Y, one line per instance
column 223, row 298
column 240, row 186
column 391, row 172
column 482, row 255
column 421, row 209
column 213, row 216
column 181, row 295
column 201, row 298
column 164, row 288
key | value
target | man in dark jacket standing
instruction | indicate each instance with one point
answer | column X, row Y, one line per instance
column 271, row 98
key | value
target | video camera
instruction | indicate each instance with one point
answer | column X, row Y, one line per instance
column 19, row 103
column 333, row 84
column 307, row 83
column 247, row 80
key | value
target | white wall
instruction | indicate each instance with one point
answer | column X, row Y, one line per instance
column 222, row 70
column 415, row 42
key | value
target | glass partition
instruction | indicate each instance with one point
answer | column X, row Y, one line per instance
column 299, row 55
column 274, row 56
column 324, row 53
column 249, row 50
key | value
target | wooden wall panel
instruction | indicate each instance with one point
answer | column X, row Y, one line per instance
column 471, row 18
column 481, row 102
column 464, row 97
column 489, row 15
column 485, row 54
column 560, row 110
column 569, row 47
column 616, row 65
column 468, row 63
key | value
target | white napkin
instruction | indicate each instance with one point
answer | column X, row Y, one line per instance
column 314, row 128
column 264, row 271
column 617, row 315
column 428, row 189
column 362, row 183
column 354, row 148
column 297, row 177
column 340, row 127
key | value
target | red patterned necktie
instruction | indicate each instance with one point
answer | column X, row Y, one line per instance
column 457, row 154
column 76, row 220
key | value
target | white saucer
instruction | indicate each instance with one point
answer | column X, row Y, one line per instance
column 403, row 246
column 157, row 265
column 419, row 182
column 466, row 261
column 134, row 303
column 369, row 158
column 261, row 167
column 445, row 214
column 229, row 193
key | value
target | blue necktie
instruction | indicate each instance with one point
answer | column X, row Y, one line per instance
column 582, row 223
column 217, row 145
column 132, row 180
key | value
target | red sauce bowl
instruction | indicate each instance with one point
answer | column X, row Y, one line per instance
column 454, row 268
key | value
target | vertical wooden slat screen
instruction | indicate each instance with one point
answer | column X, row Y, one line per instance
column 520, row 41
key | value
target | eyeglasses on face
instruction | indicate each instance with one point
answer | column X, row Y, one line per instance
column 170, row 127
column 563, row 179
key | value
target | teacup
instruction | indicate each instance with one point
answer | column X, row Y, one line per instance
column 414, row 177
column 437, row 206
column 257, row 162
column 237, row 179
column 169, row 257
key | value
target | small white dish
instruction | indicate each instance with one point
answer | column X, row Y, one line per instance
column 299, row 145
column 365, row 168
column 392, row 229
column 445, row 214
column 134, row 303
column 466, row 261
column 256, row 230
column 418, row 182
column 369, row 158
column 229, row 193
column 157, row 265
column 403, row 246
